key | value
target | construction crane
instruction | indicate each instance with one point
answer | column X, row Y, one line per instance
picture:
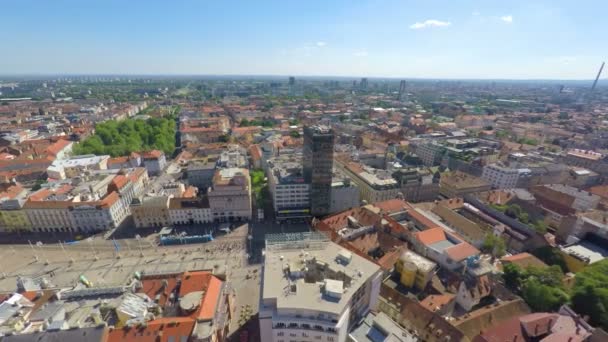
column 599, row 73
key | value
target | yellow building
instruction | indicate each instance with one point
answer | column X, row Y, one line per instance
column 12, row 220
column 415, row 270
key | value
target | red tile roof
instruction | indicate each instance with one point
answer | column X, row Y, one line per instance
column 55, row 148
column 154, row 287
column 392, row 205
column 158, row 330
column 154, row 154
column 436, row 302
column 430, row 236
column 255, row 152
column 190, row 192
column 194, row 281
column 118, row 160
column 119, row 181
column 461, row 251
column 211, row 299
column 524, row 260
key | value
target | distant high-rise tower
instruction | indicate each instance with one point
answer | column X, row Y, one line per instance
column 402, row 92
column 318, row 164
column 292, row 80
column 363, row 83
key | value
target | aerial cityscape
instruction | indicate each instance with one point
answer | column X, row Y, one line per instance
column 325, row 194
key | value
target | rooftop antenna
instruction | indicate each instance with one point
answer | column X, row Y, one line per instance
column 599, row 73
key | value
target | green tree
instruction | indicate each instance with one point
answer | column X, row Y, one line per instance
column 551, row 256
column 590, row 293
column 294, row 134
column 543, row 297
column 119, row 138
column 512, row 276
column 494, row 245
column 541, row 288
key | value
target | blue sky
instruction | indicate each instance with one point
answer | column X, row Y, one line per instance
column 385, row 38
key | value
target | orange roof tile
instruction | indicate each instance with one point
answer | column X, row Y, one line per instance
column 190, row 192
column 118, row 160
column 423, row 220
column 119, row 181
column 430, row 236
column 194, row 281
column 254, row 151
column 58, row 146
column 211, row 299
column 110, row 199
column 392, row 205
column 461, row 251
column 524, row 260
column 155, row 154
column 154, row 287
column 40, row 195
column 162, row 329
column 435, row 302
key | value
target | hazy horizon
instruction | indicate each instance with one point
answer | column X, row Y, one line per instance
column 442, row 39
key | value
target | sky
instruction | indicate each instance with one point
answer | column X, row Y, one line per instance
column 483, row 39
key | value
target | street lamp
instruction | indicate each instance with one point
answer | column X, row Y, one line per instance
column 138, row 238
column 90, row 241
column 250, row 238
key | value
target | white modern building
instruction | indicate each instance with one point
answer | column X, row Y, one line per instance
column 77, row 166
column 290, row 194
column 344, row 195
column 500, row 177
column 314, row 290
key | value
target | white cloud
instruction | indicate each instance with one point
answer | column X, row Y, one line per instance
column 507, row 18
column 430, row 23
column 360, row 53
column 475, row 13
column 321, row 44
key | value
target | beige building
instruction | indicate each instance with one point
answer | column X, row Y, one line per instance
column 374, row 185
column 151, row 211
column 89, row 203
column 76, row 166
column 458, row 184
column 230, row 195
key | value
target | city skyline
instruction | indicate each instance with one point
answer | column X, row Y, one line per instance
column 396, row 39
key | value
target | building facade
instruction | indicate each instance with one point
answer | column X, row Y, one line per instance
column 230, row 195
column 344, row 195
column 155, row 162
column 318, row 165
column 188, row 211
column 290, row 193
column 150, row 211
column 294, row 307
column 500, row 177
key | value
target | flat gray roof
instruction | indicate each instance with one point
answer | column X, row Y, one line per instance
column 442, row 245
column 309, row 296
column 588, row 250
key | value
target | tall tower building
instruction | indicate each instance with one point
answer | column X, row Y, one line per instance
column 318, row 164
column 402, row 91
column 363, row 84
